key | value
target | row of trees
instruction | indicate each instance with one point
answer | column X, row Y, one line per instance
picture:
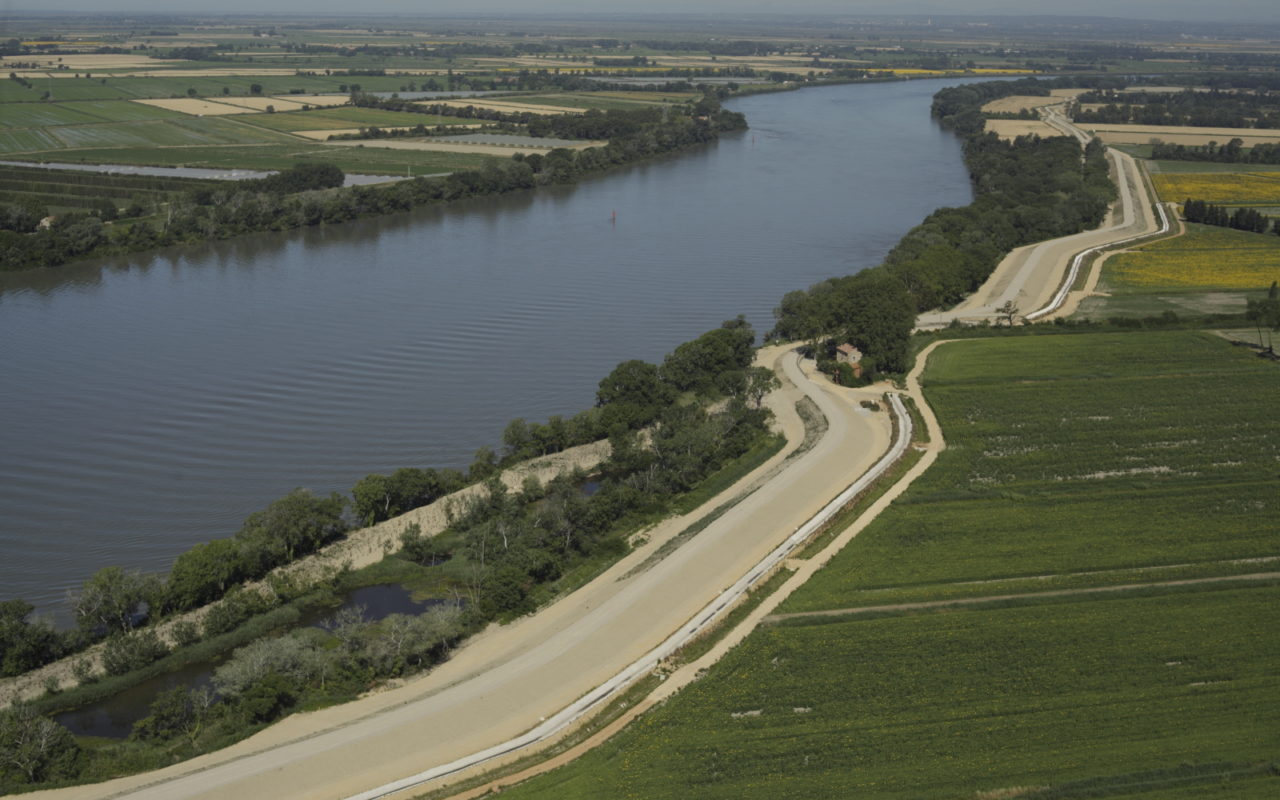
column 1233, row 152
column 1242, row 219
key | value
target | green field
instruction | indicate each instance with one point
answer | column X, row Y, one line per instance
column 1086, row 453
column 343, row 117
column 30, row 115
column 275, row 156
column 1066, row 455
column 183, row 131
column 582, row 100
column 60, row 89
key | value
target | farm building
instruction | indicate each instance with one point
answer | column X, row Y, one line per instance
column 848, row 354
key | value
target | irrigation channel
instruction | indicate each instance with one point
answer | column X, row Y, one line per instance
column 153, row 402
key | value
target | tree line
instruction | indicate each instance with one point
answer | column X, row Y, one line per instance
column 1206, row 109
column 1233, row 152
column 223, row 213
column 1242, row 219
column 1026, row 190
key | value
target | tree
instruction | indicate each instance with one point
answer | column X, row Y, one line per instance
column 296, row 524
column 517, row 437
column 25, row 645
column 761, row 381
column 484, row 465
column 424, row 550
column 1007, row 312
column 632, row 394
column 34, row 748
column 125, row 652
column 879, row 317
column 175, row 712
column 112, row 599
column 1265, row 313
column 203, row 574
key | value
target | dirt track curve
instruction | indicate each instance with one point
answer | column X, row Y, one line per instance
column 1032, row 276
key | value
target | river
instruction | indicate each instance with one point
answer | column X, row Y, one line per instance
column 152, row 402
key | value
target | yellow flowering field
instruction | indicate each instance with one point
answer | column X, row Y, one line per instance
column 1206, row 257
column 1231, row 188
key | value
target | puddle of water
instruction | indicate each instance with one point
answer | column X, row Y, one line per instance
column 114, row 717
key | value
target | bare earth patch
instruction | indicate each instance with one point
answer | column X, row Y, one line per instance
column 1178, row 134
column 261, row 103
column 507, row 107
column 194, row 106
column 437, row 146
column 1017, row 103
column 1010, row 129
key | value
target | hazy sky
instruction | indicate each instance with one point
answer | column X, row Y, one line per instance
column 1220, row 10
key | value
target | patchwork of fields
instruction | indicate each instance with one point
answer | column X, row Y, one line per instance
column 1095, row 460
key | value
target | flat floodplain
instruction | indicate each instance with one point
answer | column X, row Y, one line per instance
column 1082, row 461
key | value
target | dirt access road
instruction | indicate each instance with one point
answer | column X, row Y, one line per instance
column 505, row 681
column 1032, row 275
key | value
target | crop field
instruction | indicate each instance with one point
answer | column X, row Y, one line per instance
column 1066, row 455
column 1179, row 134
column 59, row 89
column 585, row 100
column 68, row 189
column 1017, row 103
column 278, row 156
column 180, row 132
column 1084, row 453
column 1230, row 188
column 1010, row 129
column 1164, row 166
column 34, row 115
column 342, row 118
column 1206, row 257
column 950, row 705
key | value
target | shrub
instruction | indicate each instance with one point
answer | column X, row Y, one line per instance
column 129, row 651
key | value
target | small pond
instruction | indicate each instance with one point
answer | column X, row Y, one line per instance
column 115, row 716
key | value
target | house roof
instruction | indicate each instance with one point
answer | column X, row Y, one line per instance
column 847, row 349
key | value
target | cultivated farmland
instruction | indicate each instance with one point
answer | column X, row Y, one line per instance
column 1230, row 188
column 1096, row 460
column 1204, row 258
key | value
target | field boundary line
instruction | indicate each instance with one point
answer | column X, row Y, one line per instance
column 997, row 598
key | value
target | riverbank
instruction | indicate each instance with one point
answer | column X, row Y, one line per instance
column 357, row 549
column 535, row 663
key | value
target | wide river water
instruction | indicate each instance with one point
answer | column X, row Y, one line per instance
column 152, row 402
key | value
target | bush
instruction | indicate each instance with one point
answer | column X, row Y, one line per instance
column 185, row 633
column 425, row 550
column 126, row 652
